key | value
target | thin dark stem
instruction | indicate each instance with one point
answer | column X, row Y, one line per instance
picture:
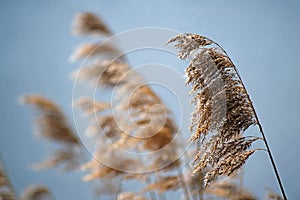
column 272, row 160
column 261, row 131
column 265, row 141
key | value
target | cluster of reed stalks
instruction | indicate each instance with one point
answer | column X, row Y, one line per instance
column 144, row 126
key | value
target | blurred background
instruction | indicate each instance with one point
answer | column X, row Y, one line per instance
column 261, row 37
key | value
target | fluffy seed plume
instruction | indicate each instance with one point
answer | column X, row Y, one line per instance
column 271, row 195
column 52, row 124
column 92, row 50
column 68, row 157
column 89, row 24
column 229, row 190
column 7, row 195
column 103, row 73
column 6, row 188
column 90, row 106
column 223, row 110
column 100, row 171
column 165, row 184
column 36, row 192
column 129, row 196
column 139, row 122
column 3, row 179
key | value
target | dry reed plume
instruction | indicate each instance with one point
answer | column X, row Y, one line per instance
column 36, row 192
column 223, row 109
column 216, row 84
column 230, row 191
column 165, row 184
column 271, row 195
column 143, row 124
column 52, row 124
column 129, row 196
column 6, row 189
column 88, row 24
column 105, row 68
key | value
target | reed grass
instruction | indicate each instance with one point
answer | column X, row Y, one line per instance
column 216, row 84
column 144, row 124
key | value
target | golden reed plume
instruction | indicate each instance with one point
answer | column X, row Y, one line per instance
column 6, row 188
column 106, row 67
column 229, row 190
column 36, row 192
column 223, row 109
column 89, row 23
column 143, row 124
column 51, row 124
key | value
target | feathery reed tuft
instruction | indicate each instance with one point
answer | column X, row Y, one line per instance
column 90, row 106
column 223, row 109
column 52, row 124
column 165, row 184
column 138, row 122
column 6, row 189
column 89, row 24
column 7, row 195
column 93, row 50
column 229, row 190
column 103, row 73
column 271, row 195
column 129, row 196
column 36, row 192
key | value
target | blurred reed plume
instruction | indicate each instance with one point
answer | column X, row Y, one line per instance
column 216, row 86
column 134, row 137
column 6, row 189
column 230, row 190
column 271, row 195
column 143, row 123
column 223, row 109
column 51, row 124
column 36, row 192
column 88, row 24
column 165, row 184
column 106, row 66
column 129, row 196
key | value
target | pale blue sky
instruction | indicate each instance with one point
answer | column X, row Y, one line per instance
column 262, row 37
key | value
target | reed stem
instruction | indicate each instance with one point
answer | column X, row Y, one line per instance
column 261, row 131
column 266, row 143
